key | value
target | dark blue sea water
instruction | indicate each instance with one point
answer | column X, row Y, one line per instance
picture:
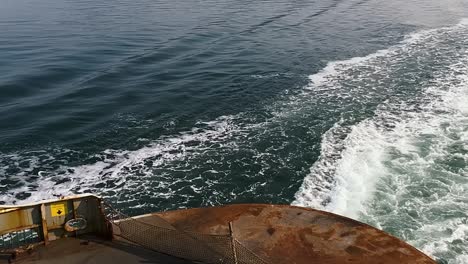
column 358, row 107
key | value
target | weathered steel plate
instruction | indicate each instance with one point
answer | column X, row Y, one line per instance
column 288, row 234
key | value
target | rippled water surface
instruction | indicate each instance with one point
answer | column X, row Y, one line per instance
column 358, row 107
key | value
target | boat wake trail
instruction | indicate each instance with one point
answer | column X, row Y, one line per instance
column 393, row 127
column 36, row 175
column 405, row 167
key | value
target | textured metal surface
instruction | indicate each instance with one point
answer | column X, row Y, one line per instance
column 154, row 233
column 286, row 234
column 92, row 250
column 253, row 233
column 45, row 220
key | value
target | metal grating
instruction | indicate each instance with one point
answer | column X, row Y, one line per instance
column 164, row 238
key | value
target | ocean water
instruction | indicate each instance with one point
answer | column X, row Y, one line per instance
column 357, row 107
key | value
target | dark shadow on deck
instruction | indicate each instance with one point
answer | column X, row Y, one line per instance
column 92, row 250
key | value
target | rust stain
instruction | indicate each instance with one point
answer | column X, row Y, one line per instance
column 353, row 250
column 271, row 231
column 288, row 234
column 348, row 233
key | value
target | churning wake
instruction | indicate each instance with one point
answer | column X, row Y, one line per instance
column 405, row 168
column 394, row 150
column 40, row 175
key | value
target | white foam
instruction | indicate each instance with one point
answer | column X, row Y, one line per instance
column 375, row 151
column 458, row 232
column 353, row 177
column 335, row 67
column 114, row 167
column 324, row 78
column 345, row 178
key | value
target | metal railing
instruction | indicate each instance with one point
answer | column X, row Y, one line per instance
column 36, row 223
column 161, row 236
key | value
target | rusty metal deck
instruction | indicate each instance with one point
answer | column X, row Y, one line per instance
column 275, row 234
column 287, row 234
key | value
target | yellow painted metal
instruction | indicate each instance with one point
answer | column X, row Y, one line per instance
column 58, row 209
column 5, row 210
column 48, row 218
column 3, row 232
